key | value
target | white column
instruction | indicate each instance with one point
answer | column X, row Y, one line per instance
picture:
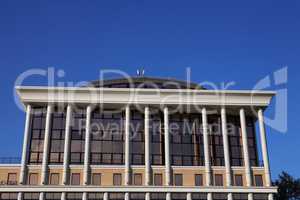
column 189, row 196
column 209, row 196
column 264, row 147
column 206, row 147
column 250, row 196
column 20, row 196
column 168, row 196
column 147, row 148
column 147, row 196
column 84, row 196
column 25, row 146
column 226, row 147
column 46, row 145
column 270, row 196
column 86, row 169
column 63, row 196
column 67, row 145
column 245, row 148
column 167, row 147
column 105, row 196
column 229, row 196
column 42, row 196
column 126, row 197
column 127, row 145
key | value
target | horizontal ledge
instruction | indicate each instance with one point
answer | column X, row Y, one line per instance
column 155, row 189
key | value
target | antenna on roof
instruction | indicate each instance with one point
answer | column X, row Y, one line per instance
column 140, row 72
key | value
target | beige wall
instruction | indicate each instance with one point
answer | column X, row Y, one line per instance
column 107, row 173
column 4, row 171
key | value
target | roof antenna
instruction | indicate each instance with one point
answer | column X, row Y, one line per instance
column 140, row 72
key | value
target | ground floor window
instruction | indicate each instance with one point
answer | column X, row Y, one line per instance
column 220, row 196
column 53, row 196
column 9, row 196
column 260, row 196
column 74, row 196
column 116, row 196
column 199, row 196
column 31, row 196
column 137, row 196
column 240, row 196
column 158, row 196
column 95, row 196
column 178, row 196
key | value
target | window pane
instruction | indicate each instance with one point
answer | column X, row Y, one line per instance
column 218, row 180
column 117, row 179
column 33, row 179
column 96, row 179
column 258, row 180
column 75, row 179
column 137, row 179
column 158, row 179
column 198, row 180
column 54, row 179
column 178, row 179
column 238, row 179
column 12, row 179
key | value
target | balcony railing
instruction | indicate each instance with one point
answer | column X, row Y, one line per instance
column 10, row 160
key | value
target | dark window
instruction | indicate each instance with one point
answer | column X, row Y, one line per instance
column 240, row 196
column 137, row 179
column 178, row 196
column 12, row 179
column 158, row 196
column 178, row 179
column 96, row 179
column 251, row 141
column 117, row 179
column 75, row 179
column 260, row 196
column 137, row 138
column 216, row 140
column 107, row 137
column 219, row 196
column 31, row 196
column 95, row 196
column 198, row 179
column 116, row 196
column 186, row 139
column 53, row 196
column 258, row 180
column 218, row 180
column 238, row 180
column 54, row 179
column 8, row 196
column 57, row 137
column 77, row 136
column 158, row 179
column 235, row 141
column 157, row 138
column 33, row 179
column 37, row 132
column 74, row 196
column 137, row 196
column 199, row 196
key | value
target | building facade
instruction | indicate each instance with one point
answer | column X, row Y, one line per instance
column 143, row 138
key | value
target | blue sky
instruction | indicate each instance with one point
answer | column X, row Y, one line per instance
column 221, row 41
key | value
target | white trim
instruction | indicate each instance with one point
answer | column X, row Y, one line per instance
column 155, row 189
column 10, row 165
column 144, row 96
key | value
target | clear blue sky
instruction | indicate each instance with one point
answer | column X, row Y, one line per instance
column 220, row 41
